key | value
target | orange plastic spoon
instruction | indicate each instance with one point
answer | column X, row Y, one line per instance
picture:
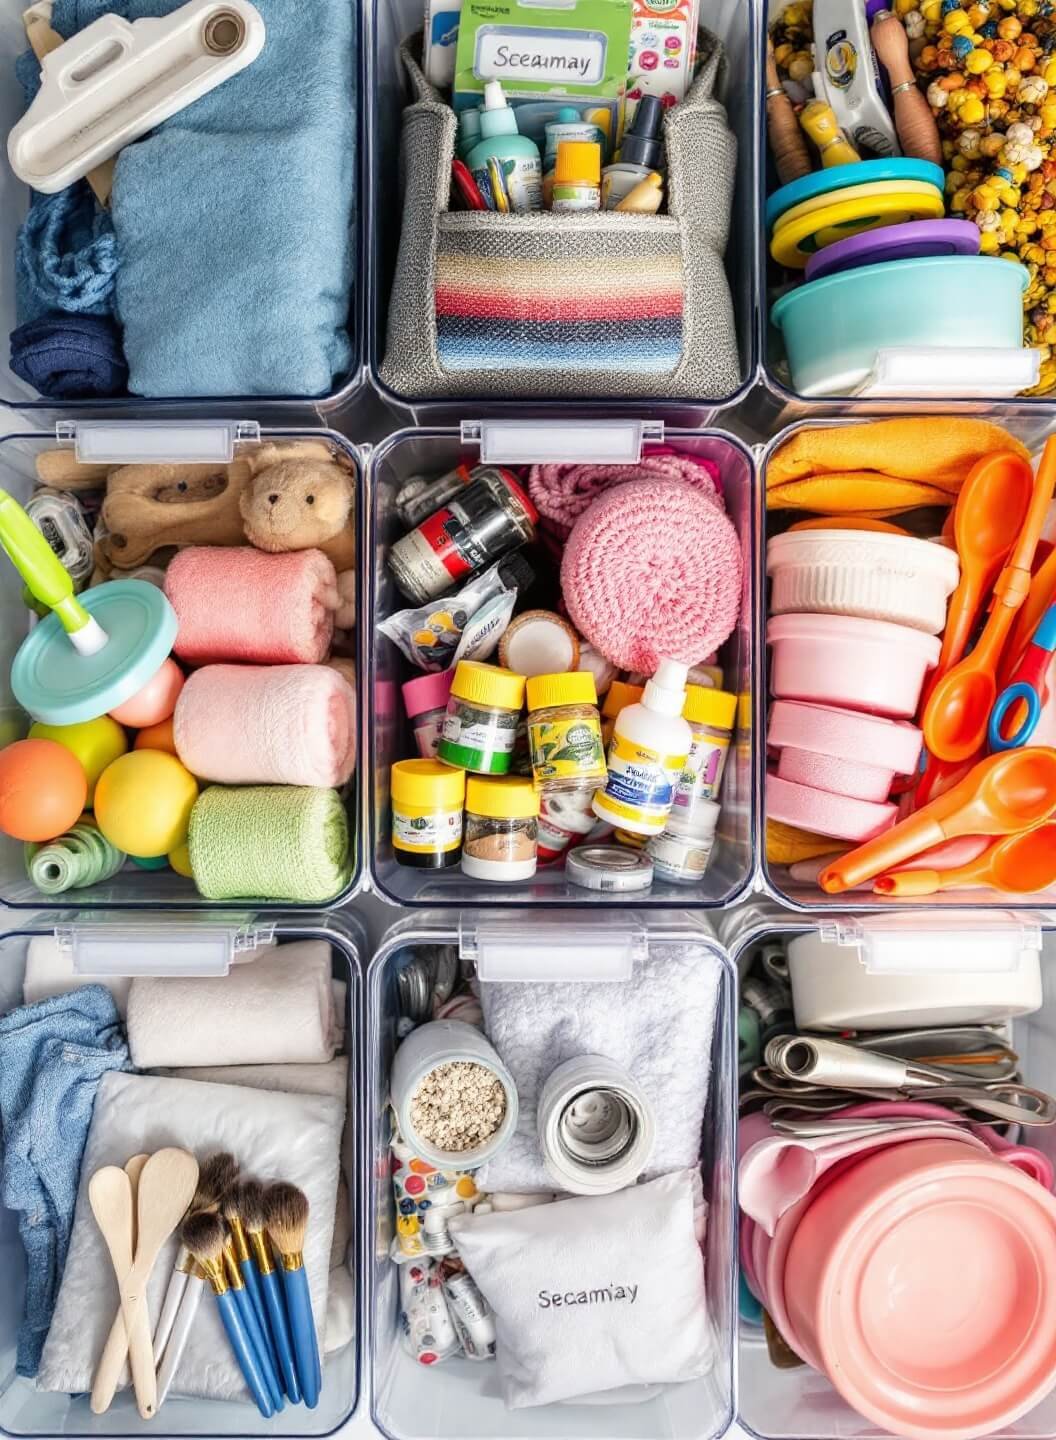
column 989, row 514
column 958, row 709
column 1019, row 864
column 1011, row 791
column 1042, row 594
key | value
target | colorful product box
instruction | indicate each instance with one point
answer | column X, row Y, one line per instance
column 663, row 51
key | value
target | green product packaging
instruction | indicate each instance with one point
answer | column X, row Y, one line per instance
column 576, row 53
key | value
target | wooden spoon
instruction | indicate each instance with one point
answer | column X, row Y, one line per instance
column 166, row 1188
column 112, row 1361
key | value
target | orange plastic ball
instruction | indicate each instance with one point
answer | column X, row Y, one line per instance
column 155, row 702
column 43, row 789
column 157, row 737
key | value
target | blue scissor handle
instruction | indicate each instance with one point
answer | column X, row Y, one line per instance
column 1009, row 697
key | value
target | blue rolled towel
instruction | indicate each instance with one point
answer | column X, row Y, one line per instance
column 233, row 218
column 65, row 256
column 52, row 1056
column 70, row 357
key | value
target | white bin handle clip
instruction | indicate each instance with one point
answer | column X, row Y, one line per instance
column 115, row 80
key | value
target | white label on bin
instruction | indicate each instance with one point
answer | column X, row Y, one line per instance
column 515, row 52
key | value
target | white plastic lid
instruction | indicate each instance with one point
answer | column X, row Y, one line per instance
column 666, row 691
column 494, row 95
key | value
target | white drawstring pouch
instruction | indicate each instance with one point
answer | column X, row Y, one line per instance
column 593, row 1293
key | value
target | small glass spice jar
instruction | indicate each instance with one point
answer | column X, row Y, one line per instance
column 472, row 529
column 425, row 700
column 682, row 852
column 618, row 696
column 427, row 803
column 480, row 726
column 502, row 827
column 564, row 731
column 711, row 714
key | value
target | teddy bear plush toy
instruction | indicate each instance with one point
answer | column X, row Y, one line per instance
column 284, row 495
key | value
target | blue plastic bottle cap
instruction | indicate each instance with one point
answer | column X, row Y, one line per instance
column 837, row 177
column 58, row 686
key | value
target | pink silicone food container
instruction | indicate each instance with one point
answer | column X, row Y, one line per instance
column 924, row 1281
column 870, row 574
column 843, row 751
column 851, row 663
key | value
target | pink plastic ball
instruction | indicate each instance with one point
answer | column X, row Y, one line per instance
column 155, row 702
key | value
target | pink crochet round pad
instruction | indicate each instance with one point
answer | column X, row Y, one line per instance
column 653, row 571
column 826, row 730
column 853, row 778
column 561, row 493
column 825, row 813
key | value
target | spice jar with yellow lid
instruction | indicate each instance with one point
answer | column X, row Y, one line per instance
column 480, row 726
column 427, row 804
column 564, row 731
column 502, row 826
column 711, row 715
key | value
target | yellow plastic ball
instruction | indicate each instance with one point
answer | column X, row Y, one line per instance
column 96, row 743
column 143, row 803
column 180, row 860
column 978, row 61
column 972, row 111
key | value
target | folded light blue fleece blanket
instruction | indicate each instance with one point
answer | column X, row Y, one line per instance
column 233, row 219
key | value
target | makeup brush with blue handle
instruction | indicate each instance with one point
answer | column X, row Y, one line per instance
column 249, row 1319
column 286, row 1219
column 251, row 1205
column 204, row 1237
column 232, row 1212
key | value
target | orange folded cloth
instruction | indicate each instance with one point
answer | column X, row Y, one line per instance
column 880, row 467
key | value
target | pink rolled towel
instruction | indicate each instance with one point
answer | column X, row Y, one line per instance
column 267, row 725
column 238, row 603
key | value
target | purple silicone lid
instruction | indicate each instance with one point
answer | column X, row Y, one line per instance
column 914, row 240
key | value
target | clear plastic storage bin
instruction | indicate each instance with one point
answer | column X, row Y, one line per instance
column 796, row 1404
column 14, row 202
column 737, row 23
column 1032, row 428
column 27, row 1411
column 460, row 1399
column 211, row 441
column 389, row 737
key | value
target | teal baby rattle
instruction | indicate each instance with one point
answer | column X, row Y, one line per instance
column 93, row 652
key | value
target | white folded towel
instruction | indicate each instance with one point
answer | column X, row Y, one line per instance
column 658, row 1025
column 273, row 1136
column 328, row 1078
column 279, row 1010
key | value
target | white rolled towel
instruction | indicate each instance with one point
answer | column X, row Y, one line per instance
column 277, row 1011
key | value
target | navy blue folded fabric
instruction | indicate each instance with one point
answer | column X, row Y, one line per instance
column 70, row 357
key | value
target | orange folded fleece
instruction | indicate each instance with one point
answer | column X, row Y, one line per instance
column 881, row 467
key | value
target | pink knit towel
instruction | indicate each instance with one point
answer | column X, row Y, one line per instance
column 267, row 725
column 653, row 571
column 562, row 492
column 242, row 604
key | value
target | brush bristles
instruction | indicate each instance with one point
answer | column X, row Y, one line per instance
column 286, row 1216
column 251, row 1205
column 215, row 1179
column 230, row 1208
column 204, row 1237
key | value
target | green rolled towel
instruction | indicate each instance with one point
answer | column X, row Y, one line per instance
column 81, row 857
column 269, row 842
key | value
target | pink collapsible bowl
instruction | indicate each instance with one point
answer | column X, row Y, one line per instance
column 842, row 751
column 854, row 664
column 924, row 1279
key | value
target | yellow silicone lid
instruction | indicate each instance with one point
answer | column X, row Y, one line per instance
column 575, row 688
column 619, row 696
column 710, row 707
column 875, row 188
column 427, row 783
column 512, row 798
column 794, row 244
column 482, row 684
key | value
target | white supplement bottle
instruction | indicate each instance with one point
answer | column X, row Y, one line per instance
column 650, row 743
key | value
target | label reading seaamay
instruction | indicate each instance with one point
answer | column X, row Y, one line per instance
column 513, row 52
column 641, row 781
column 436, row 833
